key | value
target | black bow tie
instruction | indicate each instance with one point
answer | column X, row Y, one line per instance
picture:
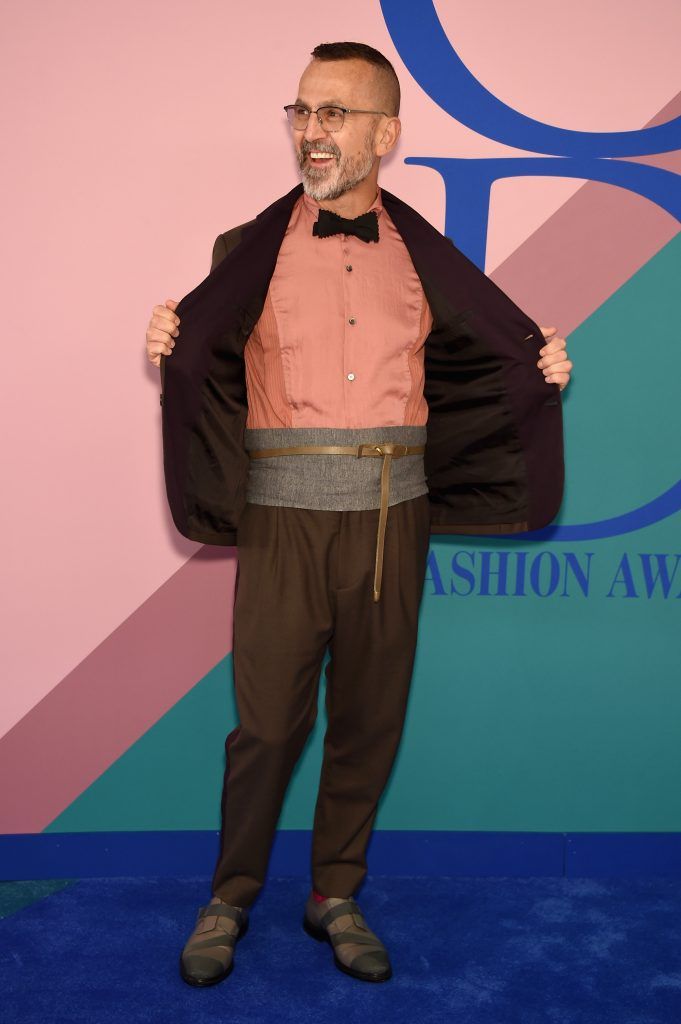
column 365, row 227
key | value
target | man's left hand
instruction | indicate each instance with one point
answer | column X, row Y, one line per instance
column 554, row 362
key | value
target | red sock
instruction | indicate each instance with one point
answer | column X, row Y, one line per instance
column 319, row 898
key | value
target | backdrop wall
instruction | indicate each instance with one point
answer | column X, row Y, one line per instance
column 546, row 142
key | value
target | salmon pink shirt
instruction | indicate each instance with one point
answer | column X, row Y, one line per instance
column 345, row 348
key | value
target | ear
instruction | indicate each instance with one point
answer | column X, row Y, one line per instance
column 389, row 135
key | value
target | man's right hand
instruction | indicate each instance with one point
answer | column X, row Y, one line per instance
column 162, row 329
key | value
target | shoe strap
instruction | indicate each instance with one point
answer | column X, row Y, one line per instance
column 341, row 938
column 221, row 910
column 348, row 906
column 223, row 939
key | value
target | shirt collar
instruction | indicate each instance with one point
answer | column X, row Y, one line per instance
column 314, row 207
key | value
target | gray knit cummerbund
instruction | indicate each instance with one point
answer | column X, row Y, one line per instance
column 334, row 482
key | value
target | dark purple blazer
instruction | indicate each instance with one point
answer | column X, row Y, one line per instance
column 494, row 449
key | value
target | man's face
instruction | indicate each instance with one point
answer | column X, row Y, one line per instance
column 346, row 83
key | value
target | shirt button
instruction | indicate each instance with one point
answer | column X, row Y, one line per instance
column 348, row 267
column 351, row 376
column 351, row 320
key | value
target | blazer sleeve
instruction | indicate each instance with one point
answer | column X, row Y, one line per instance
column 219, row 251
column 225, row 242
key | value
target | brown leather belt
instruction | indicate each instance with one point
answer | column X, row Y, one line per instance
column 388, row 451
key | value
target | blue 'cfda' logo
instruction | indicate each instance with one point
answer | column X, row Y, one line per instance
column 428, row 54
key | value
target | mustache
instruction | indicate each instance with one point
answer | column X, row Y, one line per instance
column 317, row 149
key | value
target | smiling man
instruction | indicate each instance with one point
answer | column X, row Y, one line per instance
column 337, row 149
column 346, row 383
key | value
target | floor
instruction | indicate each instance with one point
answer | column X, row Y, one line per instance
column 469, row 950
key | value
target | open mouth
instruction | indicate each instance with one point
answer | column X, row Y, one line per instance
column 319, row 158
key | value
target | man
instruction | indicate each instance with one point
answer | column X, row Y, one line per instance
column 339, row 323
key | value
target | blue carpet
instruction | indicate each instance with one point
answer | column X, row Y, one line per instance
column 470, row 950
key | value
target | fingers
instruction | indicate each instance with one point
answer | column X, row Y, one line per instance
column 162, row 330
column 159, row 341
column 156, row 349
column 555, row 365
column 165, row 319
column 557, row 373
column 554, row 357
column 558, row 378
column 555, row 345
column 163, row 325
column 554, row 362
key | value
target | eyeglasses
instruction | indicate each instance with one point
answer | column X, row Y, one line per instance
column 330, row 118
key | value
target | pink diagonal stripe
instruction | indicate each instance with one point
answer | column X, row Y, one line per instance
column 118, row 692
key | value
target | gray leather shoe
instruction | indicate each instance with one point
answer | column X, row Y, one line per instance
column 208, row 956
column 356, row 949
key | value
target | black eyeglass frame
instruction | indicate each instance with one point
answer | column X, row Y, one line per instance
column 328, row 106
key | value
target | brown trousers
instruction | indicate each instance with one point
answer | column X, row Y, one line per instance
column 305, row 581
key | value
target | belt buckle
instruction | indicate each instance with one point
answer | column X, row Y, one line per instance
column 393, row 447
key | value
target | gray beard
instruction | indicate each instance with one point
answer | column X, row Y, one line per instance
column 352, row 172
